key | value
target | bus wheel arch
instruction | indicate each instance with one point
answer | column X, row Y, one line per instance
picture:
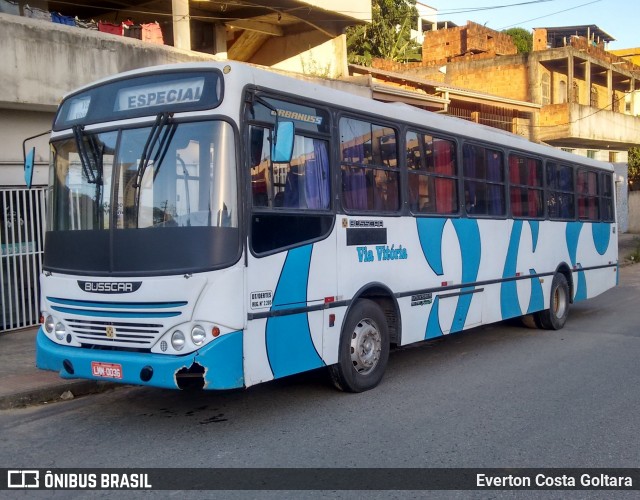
column 365, row 340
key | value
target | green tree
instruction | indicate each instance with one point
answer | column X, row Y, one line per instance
column 388, row 36
column 634, row 168
column 522, row 38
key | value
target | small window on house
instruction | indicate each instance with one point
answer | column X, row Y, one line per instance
column 576, row 93
column 591, row 153
column 594, row 97
column 563, row 92
column 613, row 156
column 546, row 89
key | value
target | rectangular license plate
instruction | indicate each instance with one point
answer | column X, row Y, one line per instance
column 106, row 370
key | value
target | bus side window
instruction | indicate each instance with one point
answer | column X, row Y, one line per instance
column 433, row 172
column 484, row 180
column 369, row 166
column 287, row 196
column 560, row 191
column 606, row 202
column 525, row 179
column 259, row 155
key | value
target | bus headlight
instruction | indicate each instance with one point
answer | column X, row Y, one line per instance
column 60, row 331
column 49, row 324
column 177, row 340
column 198, row 335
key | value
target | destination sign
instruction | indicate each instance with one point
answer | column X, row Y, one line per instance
column 160, row 94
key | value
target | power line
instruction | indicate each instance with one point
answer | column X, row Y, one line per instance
column 553, row 13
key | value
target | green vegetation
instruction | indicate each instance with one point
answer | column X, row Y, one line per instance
column 522, row 38
column 388, row 36
column 634, row 168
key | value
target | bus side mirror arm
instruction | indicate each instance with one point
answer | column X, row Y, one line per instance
column 29, row 158
column 283, row 134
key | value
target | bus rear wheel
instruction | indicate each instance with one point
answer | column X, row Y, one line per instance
column 363, row 350
column 555, row 317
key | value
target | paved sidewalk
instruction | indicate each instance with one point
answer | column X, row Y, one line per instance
column 22, row 384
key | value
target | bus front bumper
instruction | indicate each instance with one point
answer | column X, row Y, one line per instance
column 221, row 360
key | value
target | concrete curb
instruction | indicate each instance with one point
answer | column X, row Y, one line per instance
column 53, row 393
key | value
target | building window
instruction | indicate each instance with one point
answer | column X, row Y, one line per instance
column 591, row 153
column 576, row 93
column 613, row 156
column 431, row 163
column 563, row 91
column 546, row 89
column 594, row 97
column 568, row 150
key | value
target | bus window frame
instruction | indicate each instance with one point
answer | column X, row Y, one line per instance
column 398, row 127
column 457, row 143
column 547, row 189
column 505, row 180
column 542, row 188
column 252, row 211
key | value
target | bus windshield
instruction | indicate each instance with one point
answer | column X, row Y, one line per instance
column 167, row 176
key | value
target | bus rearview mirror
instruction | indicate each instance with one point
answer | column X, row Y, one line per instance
column 283, row 142
column 28, row 166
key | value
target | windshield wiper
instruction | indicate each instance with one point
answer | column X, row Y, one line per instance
column 159, row 132
column 91, row 156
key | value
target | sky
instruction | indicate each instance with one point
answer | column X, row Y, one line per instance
column 618, row 18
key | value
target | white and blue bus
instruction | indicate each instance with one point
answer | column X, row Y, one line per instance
column 219, row 225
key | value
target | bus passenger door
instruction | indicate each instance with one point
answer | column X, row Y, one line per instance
column 291, row 263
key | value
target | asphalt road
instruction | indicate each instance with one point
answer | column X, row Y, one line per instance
column 496, row 396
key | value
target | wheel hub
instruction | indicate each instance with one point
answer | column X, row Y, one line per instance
column 366, row 345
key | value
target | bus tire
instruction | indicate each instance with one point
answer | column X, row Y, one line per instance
column 555, row 317
column 363, row 349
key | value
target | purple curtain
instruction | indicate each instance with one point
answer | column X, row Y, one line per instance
column 317, row 177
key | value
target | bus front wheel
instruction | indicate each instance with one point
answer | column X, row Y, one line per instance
column 555, row 317
column 363, row 350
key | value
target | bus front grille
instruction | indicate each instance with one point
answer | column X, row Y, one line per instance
column 126, row 325
column 115, row 333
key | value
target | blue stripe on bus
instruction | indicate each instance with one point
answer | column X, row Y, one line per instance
column 536, row 301
column 290, row 348
column 116, row 314
column 601, row 236
column 535, row 230
column 509, row 304
column 572, row 235
column 116, row 305
column 581, row 289
column 469, row 238
column 433, row 324
column 430, row 233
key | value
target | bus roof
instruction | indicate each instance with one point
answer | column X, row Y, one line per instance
column 321, row 90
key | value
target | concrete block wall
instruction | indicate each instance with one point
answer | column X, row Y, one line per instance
column 506, row 77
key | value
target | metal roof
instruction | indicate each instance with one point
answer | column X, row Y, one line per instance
column 581, row 30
